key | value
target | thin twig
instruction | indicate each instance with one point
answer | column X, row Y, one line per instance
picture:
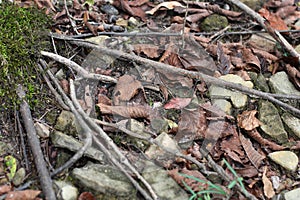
column 197, row 75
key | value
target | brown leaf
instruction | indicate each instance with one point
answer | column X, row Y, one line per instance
column 252, row 154
column 177, row 103
column 86, row 196
column 268, row 188
column 137, row 111
column 294, row 75
column 191, row 125
column 148, row 49
column 168, row 5
column 224, row 66
column 251, row 60
column 23, row 195
column 195, row 185
column 5, row 188
column 275, row 21
column 248, row 121
column 248, row 171
column 126, row 89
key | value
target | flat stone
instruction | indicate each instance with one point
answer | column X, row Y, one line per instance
column 238, row 99
column 66, row 191
column 292, row 123
column 286, row 159
column 280, row 84
column 292, row 195
column 271, row 122
column 223, row 105
column 105, row 180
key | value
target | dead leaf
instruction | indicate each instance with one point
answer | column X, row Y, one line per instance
column 23, row 195
column 137, row 111
column 248, row 121
column 254, row 157
column 251, row 60
column 169, row 5
column 224, row 66
column 177, row 103
column 149, row 50
column 275, row 21
column 86, row 196
column 5, row 188
column 191, row 125
column 268, row 188
column 294, row 75
column 126, row 89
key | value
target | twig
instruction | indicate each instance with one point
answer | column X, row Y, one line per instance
column 81, row 71
column 197, row 75
column 44, row 176
column 274, row 33
column 123, row 160
column 86, row 131
column 54, row 92
column 23, row 147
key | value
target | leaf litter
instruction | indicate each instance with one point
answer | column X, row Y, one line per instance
column 200, row 123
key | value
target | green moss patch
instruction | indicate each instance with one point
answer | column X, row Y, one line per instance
column 23, row 33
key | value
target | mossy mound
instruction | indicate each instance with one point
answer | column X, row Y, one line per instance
column 23, row 35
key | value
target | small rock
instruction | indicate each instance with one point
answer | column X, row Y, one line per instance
column 106, row 180
column 42, row 130
column 162, row 183
column 280, row 84
column 66, row 191
column 66, row 123
column 264, row 41
column 223, row 105
column 271, row 122
column 238, row 99
column 109, row 9
column 19, row 177
column 286, row 159
column 214, row 22
column 293, row 123
column 133, row 21
column 292, row 195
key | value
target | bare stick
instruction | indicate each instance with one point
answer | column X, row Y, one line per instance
column 197, row 75
column 80, row 71
column 44, row 176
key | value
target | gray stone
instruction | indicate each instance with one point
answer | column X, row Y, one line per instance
column 214, row 22
column 271, row 122
column 292, row 195
column 238, row 99
column 19, row 177
column 292, row 123
column 286, row 159
column 259, row 81
column 66, row 191
column 280, row 84
column 162, row 183
column 64, row 141
column 42, row 130
column 104, row 179
column 66, row 123
column 264, row 41
column 223, row 105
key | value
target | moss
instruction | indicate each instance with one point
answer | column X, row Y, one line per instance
column 23, row 35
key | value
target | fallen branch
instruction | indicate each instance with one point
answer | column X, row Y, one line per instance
column 44, row 176
column 86, row 132
column 192, row 74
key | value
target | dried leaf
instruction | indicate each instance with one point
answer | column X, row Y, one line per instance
column 294, row 75
column 137, row 111
column 254, row 157
column 177, row 103
column 148, row 49
column 251, row 60
column 224, row 66
column 275, row 21
column 86, row 196
column 126, row 89
column 5, row 188
column 169, row 5
column 268, row 188
column 248, row 121
column 23, row 195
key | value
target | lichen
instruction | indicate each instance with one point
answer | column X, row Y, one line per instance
column 23, row 35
